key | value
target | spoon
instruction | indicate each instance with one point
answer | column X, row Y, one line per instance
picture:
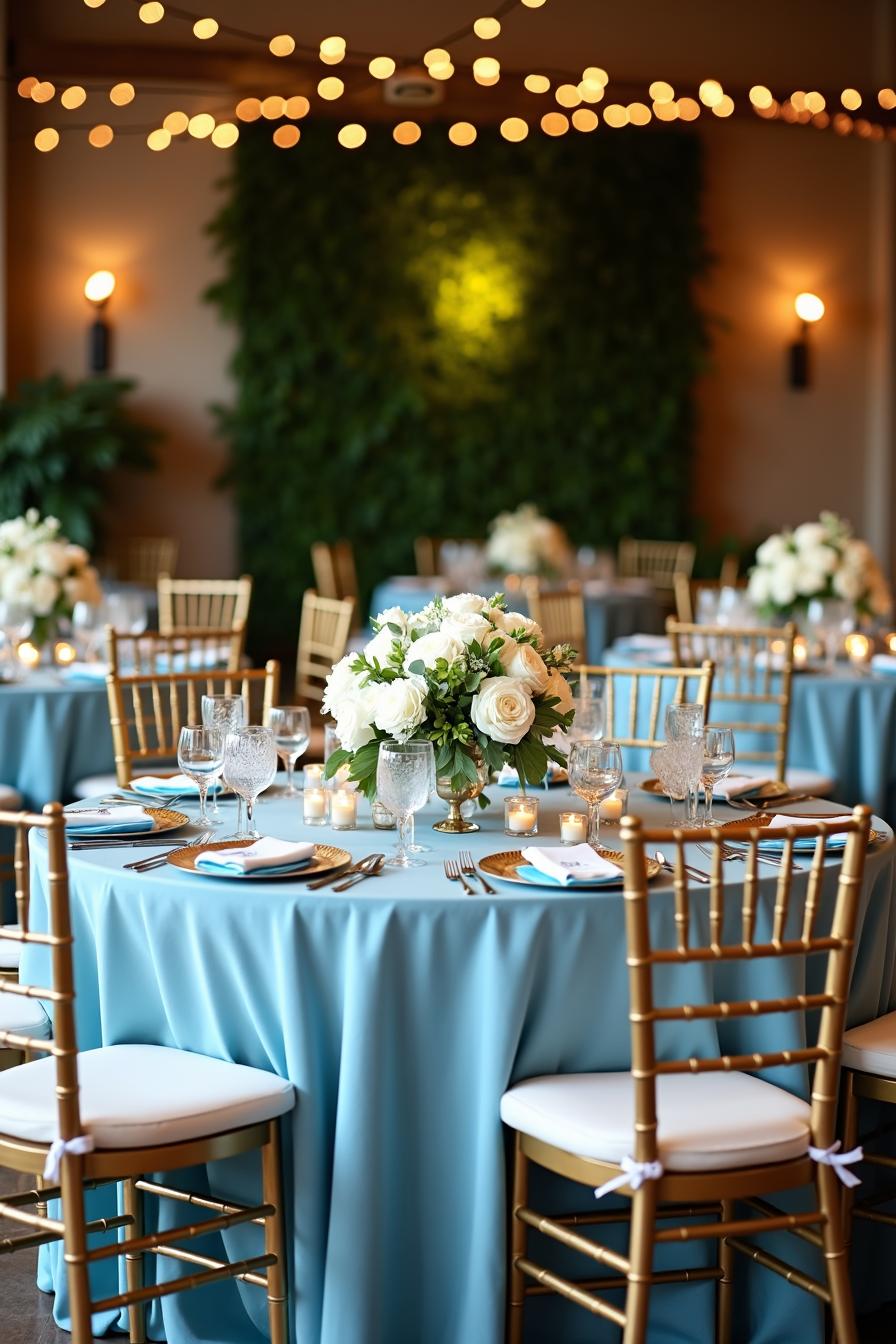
column 369, row 867
column 696, row 873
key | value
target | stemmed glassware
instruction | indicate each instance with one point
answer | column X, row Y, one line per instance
column 250, row 764
column 590, row 719
column 16, row 621
column 200, row 755
column 718, row 758
column 830, row 620
column 684, row 731
column 291, row 726
column 88, row 624
column 595, row 771
column 404, row 775
column 227, row 712
column 414, row 846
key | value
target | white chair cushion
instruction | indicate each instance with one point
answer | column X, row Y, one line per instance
column 135, row 1096
column 22, row 1015
column 10, row 799
column 707, row 1121
column 796, row 777
column 871, row 1048
column 10, row 953
column 95, row 785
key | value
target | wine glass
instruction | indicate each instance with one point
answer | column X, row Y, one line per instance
column 16, row 620
column 718, row 758
column 291, row 726
column 227, row 712
column 595, row 771
column 88, row 624
column 200, row 755
column 250, row 764
column 590, row 719
column 404, row 775
column 830, row 620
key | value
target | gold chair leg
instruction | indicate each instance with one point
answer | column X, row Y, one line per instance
column 835, row 1259
column 75, row 1244
column 517, row 1280
column 850, row 1122
column 726, row 1282
column 133, row 1261
column 274, row 1240
column 640, row 1254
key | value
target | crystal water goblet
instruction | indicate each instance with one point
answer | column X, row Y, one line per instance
column 227, row 712
column 291, row 726
column 415, row 846
column 718, row 758
column 16, row 620
column 250, row 764
column 404, row 775
column 88, row 624
column 595, row 771
column 200, row 755
column 684, row 727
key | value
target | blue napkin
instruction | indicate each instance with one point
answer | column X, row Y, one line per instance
column 537, row 878
column 107, row 820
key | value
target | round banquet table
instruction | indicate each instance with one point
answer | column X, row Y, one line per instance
column 53, row 732
column 613, row 608
column 402, row 1010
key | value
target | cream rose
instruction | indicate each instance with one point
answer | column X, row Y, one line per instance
column 400, row 706
column 428, row 649
column 558, row 686
column 467, row 626
column 462, row 603
column 341, row 684
column 522, row 661
column 354, row 720
column 515, row 620
column 503, row 709
column 44, row 592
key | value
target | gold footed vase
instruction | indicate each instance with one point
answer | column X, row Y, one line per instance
column 454, row 823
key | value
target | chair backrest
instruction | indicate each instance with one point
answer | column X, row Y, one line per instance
column 658, row 561
column 60, row 993
column 148, row 709
column 754, row 667
column 335, row 575
column 323, row 637
column 687, row 591
column 559, row 611
column 181, row 650
column 144, row 559
column 722, row 924
column 428, row 552
column 203, row 604
column 635, row 698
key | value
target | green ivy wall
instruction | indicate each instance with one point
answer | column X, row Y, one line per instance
column 429, row 335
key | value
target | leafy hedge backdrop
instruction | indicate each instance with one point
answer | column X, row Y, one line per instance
column 428, row 335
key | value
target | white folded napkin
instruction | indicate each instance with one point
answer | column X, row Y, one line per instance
column 884, row 662
column 735, row 786
column 570, row 863
column 159, row 784
column 267, row 852
column 115, row 818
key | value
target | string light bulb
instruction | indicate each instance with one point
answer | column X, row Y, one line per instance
column 567, row 95
column 584, row 119
column 760, row 96
column 94, row 4
column 286, row 136
column 615, row 115
column 176, row 123
column 537, row 83
column 595, row 75
column 441, row 70
column 101, row 136
column 486, row 29
column 248, row 109
column 661, row 92
column 514, row 129
column 73, row 97
column 382, row 67
column 205, row 28
column 887, row 99
column 436, row 56
column 273, row 107
column 533, row 4
column 122, row 94
column 283, row 45
column 688, row 109
column 201, row 126
column 352, row 136
column 851, row 99
column 406, row 133
column 809, row 307
column 462, row 133
column 639, row 114
column 159, row 139
column 330, row 88
column 297, row 107
column 486, row 70
column 724, row 107
column 710, row 92
column 46, row 139
column 151, row 12
column 26, row 86
column 555, row 123
column 225, row 135
column 43, row 91
column 332, row 50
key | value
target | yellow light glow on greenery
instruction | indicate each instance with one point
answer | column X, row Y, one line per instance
column 282, row 45
column 101, row 136
column 462, row 133
column 486, row 28
column 477, row 292
column 73, row 97
column 537, row 83
column 352, row 136
column 205, row 28
column 382, row 67
column 331, row 88
column 286, row 136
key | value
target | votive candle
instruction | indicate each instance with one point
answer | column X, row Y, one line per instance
column 859, row 649
column 800, row 651
column 573, row 828
column 28, row 654
column 613, row 807
column 314, row 806
column 314, row 776
column 344, row 810
column 64, row 653
column 521, row 815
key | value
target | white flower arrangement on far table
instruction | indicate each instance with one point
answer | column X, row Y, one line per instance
column 822, row 560
column 466, row 674
column 524, row 542
column 41, row 570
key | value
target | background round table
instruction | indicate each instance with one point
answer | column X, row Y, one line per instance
column 53, row 732
column 614, row 608
column 401, row 1011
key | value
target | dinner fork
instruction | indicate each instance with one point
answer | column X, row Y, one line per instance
column 156, row 860
column 469, row 869
column 729, row 853
column 454, row 874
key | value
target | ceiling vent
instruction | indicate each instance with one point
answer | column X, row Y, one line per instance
column 413, row 88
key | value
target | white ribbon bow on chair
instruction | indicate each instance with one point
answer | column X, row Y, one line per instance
column 633, row 1173
column 841, row 1162
column 82, row 1143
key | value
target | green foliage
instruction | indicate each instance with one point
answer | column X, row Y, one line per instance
column 429, row 337
column 58, row 441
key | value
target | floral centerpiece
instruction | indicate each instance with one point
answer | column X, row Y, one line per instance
column 524, row 542
column 465, row 673
column 817, row 560
column 43, row 571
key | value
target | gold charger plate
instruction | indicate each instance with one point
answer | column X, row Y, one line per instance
column 771, row 790
column 327, row 859
column 761, row 819
column 504, row 867
column 165, row 819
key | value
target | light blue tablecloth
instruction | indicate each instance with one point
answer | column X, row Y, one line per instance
column 843, row 725
column 401, row 1011
column 612, row 609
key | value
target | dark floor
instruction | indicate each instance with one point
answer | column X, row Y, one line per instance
column 26, row 1315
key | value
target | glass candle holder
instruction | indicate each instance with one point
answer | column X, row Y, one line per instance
column 573, row 828
column 341, row 779
column 383, row 819
column 315, row 806
column 344, row 810
column 614, row 808
column 314, row 776
column 521, row 815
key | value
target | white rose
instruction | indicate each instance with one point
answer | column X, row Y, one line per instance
column 809, row 535
column 400, row 707
column 521, row 660
column 823, row 559
column 782, row 580
column 759, row 587
column 558, row 686
column 467, row 626
column 44, row 592
column 16, row 584
column 465, row 602
column 393, row 616
column 808, row 580
column 50, row 558
column 849, row 585
column 380, row 647
column 515, row 620
column 354, row 720
column 341, row 684
column 428, row 649
column 503, row 709
column 772, row 550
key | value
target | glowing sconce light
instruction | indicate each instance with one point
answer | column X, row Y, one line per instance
column 809, row 308
column 98, row 289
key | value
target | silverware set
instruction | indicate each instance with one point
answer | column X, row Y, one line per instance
column 698, row 874
column 729, row 853
column 462, row 868
column 353, row 873
column 766, row 804
column 157, row 860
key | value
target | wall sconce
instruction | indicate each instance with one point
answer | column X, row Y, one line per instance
column 809, row 308
column 97, row 290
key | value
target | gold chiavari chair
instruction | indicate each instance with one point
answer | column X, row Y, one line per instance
column 17, row 1015
column 335, row 575
column 114, row 1114
column 11, row 801
column 632, row 692
column 729, row 571
column 179, row 650
column 148, row 709
column 658, row 561
column 687, row 592
column 690, row 1137
column 755, row 667
column 559, row 611
column 323, row 638
column 144, row 559
column 869, row 1073
column 428, row 552
column 209, row 604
